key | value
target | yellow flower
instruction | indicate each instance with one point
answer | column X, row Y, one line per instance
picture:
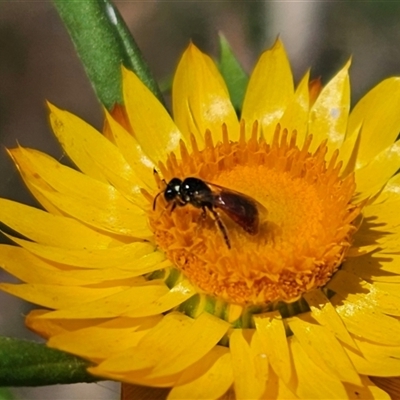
column 291, row 290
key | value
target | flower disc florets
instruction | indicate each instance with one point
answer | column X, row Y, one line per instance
column 303, row 235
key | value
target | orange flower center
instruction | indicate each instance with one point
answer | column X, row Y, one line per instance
column 305, row 223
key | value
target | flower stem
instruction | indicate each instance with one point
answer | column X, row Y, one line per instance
column 103, row 42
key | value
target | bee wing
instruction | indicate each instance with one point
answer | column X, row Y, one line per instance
column 217, row 189
column 242, row 209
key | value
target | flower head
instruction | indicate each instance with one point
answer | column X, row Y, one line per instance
column 272, row 270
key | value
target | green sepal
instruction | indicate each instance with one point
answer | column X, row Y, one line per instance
column 26, row 363
column 235, row 77
column 103, row 42
column 190, row 307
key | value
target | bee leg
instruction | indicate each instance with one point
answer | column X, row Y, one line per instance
column 174, row 204
column 202, row 218
column 221, row 227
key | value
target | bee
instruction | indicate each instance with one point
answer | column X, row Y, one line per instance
column 240, row 208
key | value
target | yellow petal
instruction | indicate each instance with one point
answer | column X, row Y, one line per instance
column 387, row 295
column 32, row 269
column 160, row 342
column 173, row 298
column 270, row 90
column 249, row 383
column 381, row 296
column 114, row 305
column 133, row 153
column 106, row 277
column 312, row 381
column 375, row 359
column 328, row 115
column 87, row 199
column 361, row 307
column 367, row 391
column 26, row 221
column 56, row 297
column 34, row 183
column 125, row 333
column 378, row 113
column 201, row 99
column 389, row 244
column 209, row 378
column 357, row 251
column 375, row 267
column 153, row 128
column 48, row 327
column 277, row 389
column 348, row 152
column 206, row 331
column 85, row 145
column 136, row 377
column 37, row 194
column 101, row 278
column 382, row 219
column 271, row 330
column 326, row 315
column 295, row 116
column 260, row 360
column 130, row 188
column 324, row 349
column 108, row 215
column 374, row 175
column 171, row 338
column 391, row 192
column 133, row 255
column 29, row 268
column 385, row 238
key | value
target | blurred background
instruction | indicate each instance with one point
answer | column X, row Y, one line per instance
column 38, row 62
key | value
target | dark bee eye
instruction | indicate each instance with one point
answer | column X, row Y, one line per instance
column 172, row 189
column 170, row 194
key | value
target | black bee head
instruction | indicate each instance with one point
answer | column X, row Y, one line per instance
column 173, row 189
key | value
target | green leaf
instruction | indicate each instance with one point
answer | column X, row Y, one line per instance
column 233, row 73
column 25, row 363
column 103, row 42
column 5, row 394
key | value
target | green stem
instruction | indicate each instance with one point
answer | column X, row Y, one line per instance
column 103, row 42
